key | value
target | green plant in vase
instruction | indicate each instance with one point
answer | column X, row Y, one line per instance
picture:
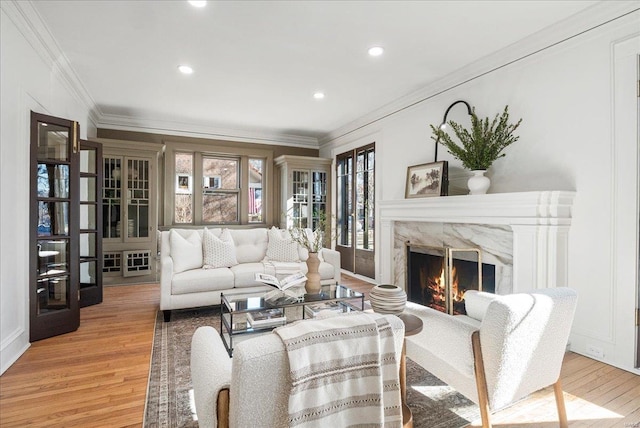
column 481, row 145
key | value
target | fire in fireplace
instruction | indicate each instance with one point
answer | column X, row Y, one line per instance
column 439, row 277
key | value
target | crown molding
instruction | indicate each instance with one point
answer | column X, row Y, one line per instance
column 31, row 25
column 152, row 126
column 592, row 17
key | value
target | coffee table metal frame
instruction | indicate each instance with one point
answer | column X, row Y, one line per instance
column 235, row 307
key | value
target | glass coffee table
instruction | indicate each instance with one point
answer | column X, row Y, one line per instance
column 245, row 314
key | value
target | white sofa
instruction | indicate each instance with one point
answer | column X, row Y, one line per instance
column 184, row 283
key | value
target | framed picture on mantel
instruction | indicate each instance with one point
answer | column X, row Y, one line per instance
column 427, row 180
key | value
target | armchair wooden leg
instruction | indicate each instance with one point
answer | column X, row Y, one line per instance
column 481, row 380
column 562, row 411
column 223, row 408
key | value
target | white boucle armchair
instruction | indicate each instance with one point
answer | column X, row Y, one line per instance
column 505, row 348
column 252, row 388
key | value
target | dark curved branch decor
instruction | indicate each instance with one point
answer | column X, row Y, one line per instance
column 444, row 123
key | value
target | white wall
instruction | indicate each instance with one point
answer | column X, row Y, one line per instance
column 30, row 80
column 567, row 142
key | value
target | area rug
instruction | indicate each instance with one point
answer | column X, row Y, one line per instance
column 170, row 397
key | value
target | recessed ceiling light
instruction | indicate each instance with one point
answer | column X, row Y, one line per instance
column 376, row 51
column 318, row 95
column 185, row 69
column 198, row 3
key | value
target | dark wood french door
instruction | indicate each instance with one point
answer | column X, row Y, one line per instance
column 355, row 210
column 54, row 227
column 90, row 241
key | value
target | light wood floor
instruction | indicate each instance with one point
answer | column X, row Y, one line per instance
column 97, row 376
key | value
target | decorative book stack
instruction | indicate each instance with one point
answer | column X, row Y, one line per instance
column 312, row 311
column 266, row 318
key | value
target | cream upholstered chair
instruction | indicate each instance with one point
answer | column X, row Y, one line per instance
column 252, row 388
column 505, row 348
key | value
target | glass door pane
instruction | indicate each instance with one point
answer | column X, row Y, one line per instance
column 365, row 200
column 137, row 199
column 300, row 210
column 319, row 204
column 111, row 197
column 345, row 201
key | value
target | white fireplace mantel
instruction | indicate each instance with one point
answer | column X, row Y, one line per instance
column 539, row 220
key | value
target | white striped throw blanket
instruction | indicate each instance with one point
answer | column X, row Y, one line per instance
column 344, row 372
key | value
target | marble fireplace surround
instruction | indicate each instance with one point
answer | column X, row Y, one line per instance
column 524, row 234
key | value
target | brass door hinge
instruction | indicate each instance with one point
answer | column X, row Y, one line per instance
column 78, row 295
column 637, row 317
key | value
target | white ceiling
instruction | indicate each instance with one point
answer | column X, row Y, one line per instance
column 258, row 63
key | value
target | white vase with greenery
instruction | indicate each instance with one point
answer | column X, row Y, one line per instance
column 480, row 146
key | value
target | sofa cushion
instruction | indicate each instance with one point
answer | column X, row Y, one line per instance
column 199, row 280
column 251, row 244
column 281, row 248
column 186, row 251
column 245, row 274
column 218, row 252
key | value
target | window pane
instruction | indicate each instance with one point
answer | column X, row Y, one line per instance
column 255, row 190
column 361, row 187
column 183, row 212
column 220, row 173
column 220, row 189
column 220, row 208
column 365, row 200
column 343, row 218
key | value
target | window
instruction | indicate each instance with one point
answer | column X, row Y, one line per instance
column 220, row 190
column 183, row 188
column 256, row 166
column 211, row 188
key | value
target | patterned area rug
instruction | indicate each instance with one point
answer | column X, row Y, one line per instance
column 170, row 398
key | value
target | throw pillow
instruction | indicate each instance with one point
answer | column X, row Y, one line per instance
column 186, row 251
column 218, row 252
column 281, row 248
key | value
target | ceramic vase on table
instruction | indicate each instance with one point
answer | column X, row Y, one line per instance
column 478, row 184
column 387, row 299
column 313, row 285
